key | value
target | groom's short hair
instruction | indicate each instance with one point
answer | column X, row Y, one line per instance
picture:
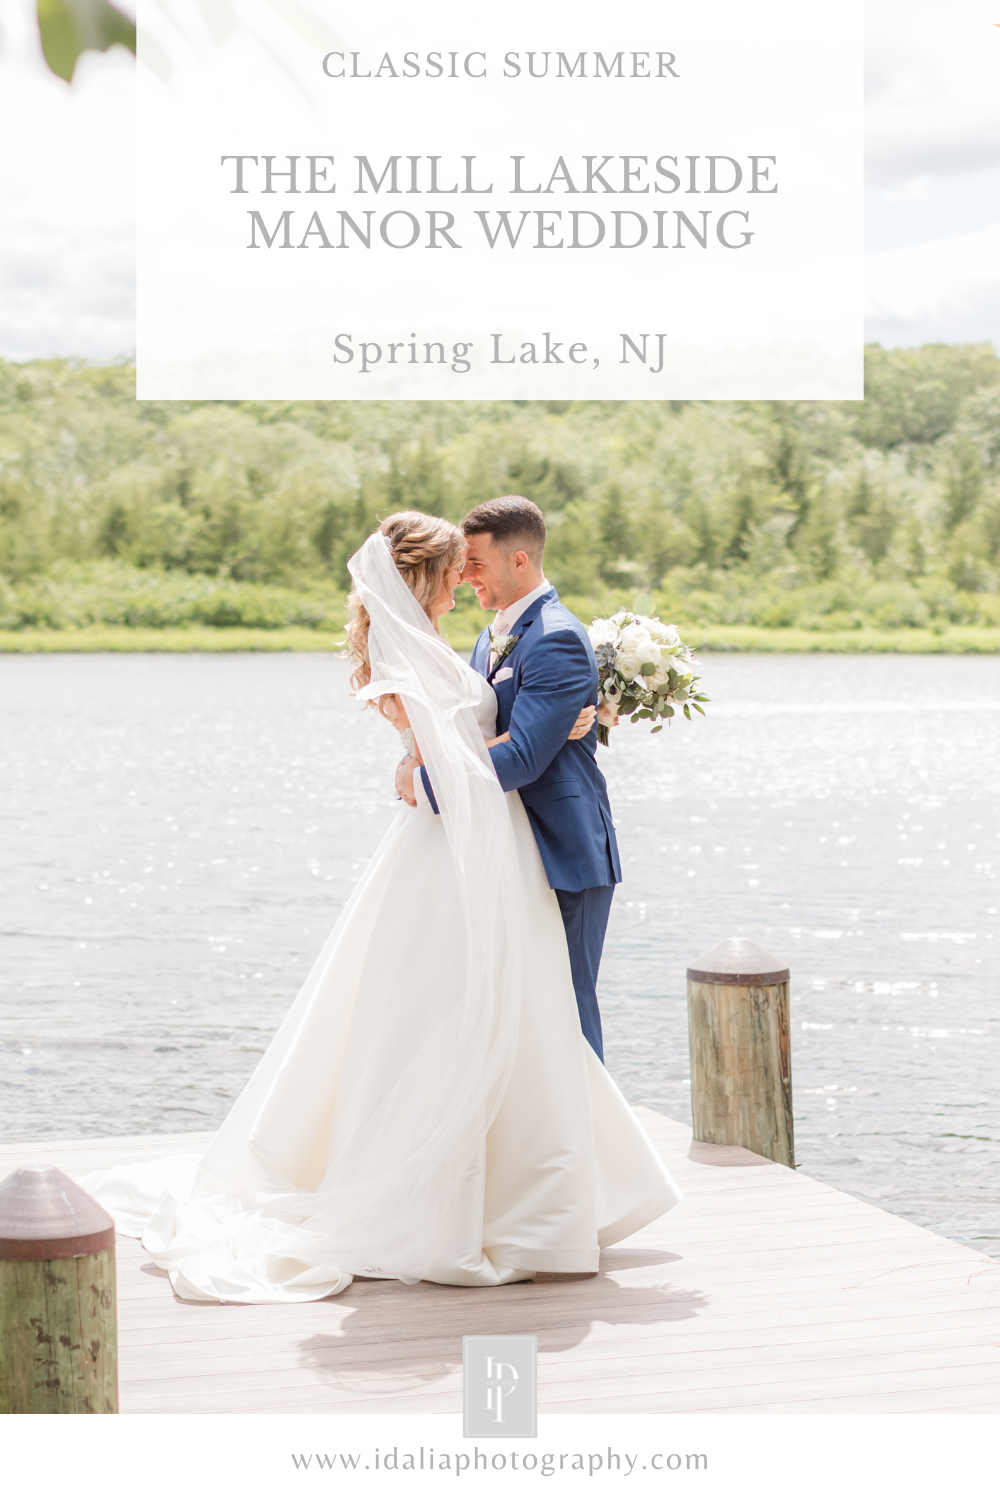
column 514, row 523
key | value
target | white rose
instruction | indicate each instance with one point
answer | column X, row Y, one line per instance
column 635, row 639
column 635, row 650
column 634, row 632
column 665, row 634
column 602, row 633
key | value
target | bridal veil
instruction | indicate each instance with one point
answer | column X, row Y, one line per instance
column 441, row 1005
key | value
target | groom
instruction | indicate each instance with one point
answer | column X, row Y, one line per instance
column 543, row 674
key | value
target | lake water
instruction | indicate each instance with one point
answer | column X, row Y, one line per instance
column 178, row 833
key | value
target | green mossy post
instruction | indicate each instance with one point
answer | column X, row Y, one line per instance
column 741, row 1069
column 58, row 1324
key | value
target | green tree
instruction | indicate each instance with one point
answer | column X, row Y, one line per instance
column 765, row 512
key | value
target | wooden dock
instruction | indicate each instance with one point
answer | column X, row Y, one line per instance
column 764, row 1291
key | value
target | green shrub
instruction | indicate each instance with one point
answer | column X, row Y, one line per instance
column 74, row 596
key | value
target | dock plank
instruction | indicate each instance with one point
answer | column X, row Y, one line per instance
column 763, row 1291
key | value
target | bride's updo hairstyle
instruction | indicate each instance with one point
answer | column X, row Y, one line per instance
column 425, row 549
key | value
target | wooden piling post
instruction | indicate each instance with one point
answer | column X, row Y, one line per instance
column 741, row 1069
column 58, row 1324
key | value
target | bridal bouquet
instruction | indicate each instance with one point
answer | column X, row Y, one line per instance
column 644, row 670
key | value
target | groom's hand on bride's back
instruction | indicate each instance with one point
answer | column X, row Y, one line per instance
column 405, row 772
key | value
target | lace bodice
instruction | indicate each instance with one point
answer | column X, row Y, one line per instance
column 409, row 743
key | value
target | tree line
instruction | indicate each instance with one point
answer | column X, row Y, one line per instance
column 884, row 512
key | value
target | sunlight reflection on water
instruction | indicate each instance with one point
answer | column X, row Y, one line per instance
column 179, row 834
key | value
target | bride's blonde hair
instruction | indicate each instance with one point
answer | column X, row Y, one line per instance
column 425, row 549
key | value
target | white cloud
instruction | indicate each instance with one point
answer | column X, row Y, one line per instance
column 67, row 186
column 67, row 200
column 933, row 88
column 947, row 290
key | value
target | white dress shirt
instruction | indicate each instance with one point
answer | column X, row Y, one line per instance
column 503, row 624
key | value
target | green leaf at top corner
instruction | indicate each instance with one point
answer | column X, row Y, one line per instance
column 70, row 27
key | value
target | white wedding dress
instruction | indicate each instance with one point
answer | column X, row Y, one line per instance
column 429, row 1108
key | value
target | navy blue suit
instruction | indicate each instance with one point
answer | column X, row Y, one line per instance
column 553, row 675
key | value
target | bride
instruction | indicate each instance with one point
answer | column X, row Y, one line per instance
column 429, row 1109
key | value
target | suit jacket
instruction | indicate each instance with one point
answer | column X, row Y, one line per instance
column 541, row 686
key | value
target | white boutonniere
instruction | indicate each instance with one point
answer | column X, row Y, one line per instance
column 502, row 645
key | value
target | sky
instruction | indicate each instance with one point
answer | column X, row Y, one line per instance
column 932, row 201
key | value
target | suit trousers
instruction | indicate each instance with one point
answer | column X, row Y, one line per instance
column 585, row 917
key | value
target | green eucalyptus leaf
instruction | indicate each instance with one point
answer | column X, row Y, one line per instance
column 656, row 729
column 648, row 668
column 71, row 27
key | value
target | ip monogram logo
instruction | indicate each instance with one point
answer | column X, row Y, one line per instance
column 501, row 1380
column 500, row 1386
